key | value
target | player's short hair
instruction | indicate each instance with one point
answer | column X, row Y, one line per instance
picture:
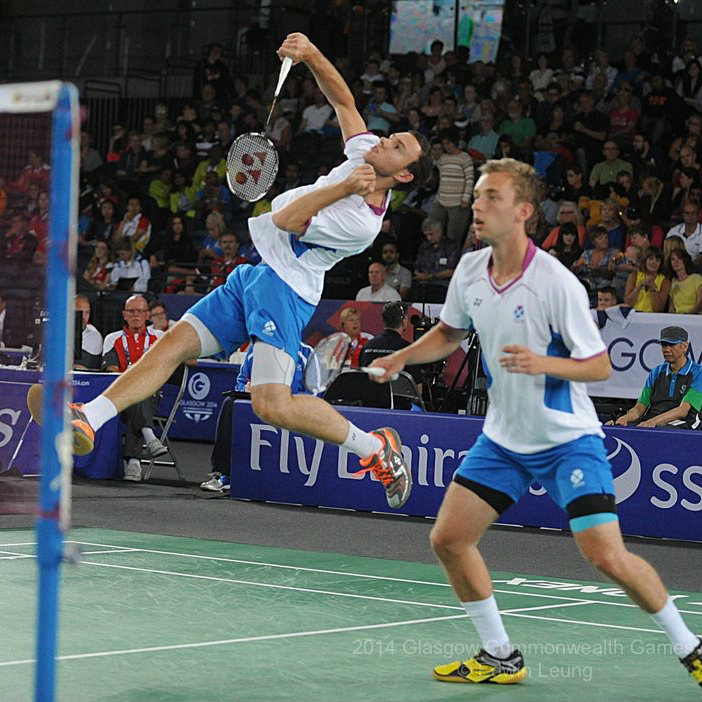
column 421, row 168
column 393, row 314
column 524, row 180
column 348, row 312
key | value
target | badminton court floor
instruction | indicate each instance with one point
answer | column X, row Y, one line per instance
column 147, row 617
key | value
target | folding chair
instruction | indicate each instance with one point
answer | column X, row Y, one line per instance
column 179, row 378
column 356, row 389
column 406, row 391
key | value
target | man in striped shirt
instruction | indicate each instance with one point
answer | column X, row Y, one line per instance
column 452, row 205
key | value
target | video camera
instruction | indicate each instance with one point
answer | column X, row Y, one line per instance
column 421, row 324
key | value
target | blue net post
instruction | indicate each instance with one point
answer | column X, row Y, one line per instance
column 56, row 457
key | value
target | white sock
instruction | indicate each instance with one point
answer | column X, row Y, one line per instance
column 148, row 434
column 99, row 411
column 669, row 619
column 361, row 442
column 488, row 622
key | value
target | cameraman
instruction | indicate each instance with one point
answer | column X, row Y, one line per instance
column 390, row 339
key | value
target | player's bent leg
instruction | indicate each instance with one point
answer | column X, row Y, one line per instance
column 462, row 520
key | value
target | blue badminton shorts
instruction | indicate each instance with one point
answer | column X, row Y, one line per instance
column 255, row 303
column 568, row 471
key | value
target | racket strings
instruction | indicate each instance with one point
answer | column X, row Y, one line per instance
column 252, row 166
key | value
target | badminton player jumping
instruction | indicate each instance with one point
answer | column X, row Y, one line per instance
column 309, row 229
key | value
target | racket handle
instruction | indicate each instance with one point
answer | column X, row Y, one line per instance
column 377, row 372
column 285, row 67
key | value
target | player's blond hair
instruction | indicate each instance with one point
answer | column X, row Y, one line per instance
column 524, row 180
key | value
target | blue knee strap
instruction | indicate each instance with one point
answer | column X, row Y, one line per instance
column 591, row 520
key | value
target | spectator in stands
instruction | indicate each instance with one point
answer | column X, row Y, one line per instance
column 590, row 128
column 567, row 213
column 685, row 286
column 159, row 317
column 436, row 261
column 611, row 221
column 316, row 115
column 670, row 244
column 647, row 289
column 689, row 87
column 91, row 345
column 134, row 224
column 391, row 339
column 567, row 249
column 693, row 128
column 18, row 244
column 130, row 160
column 90, row 159
column 690, row 231
column 185, row 159
column 162, row 122
column 211, row 247
column 122, row 349
column 655, row 201
column 160, row 188
column 117, row 144
column 606, row 171
column 147, row 133
column 520, row 128
column 606, row 298
column 106, row 226
column 131, row 271
column 214, row 197
column 281, row 131
column 211, row 69
column 215, row 162
column 623, row 265
column 206, row 139
column 396, row 276
column 99, row 268
column 351, row 324
column 593, row 266
column 643, row 157
column 183, row 196
column 380, row 115
column 36, row 171
column 686, row 179
column 39, row 226
column 485, row 141
column 378, row 290
column 221, row 266
column 672, row 394
column 659, row 108
column 158, row 158
column 456, row 178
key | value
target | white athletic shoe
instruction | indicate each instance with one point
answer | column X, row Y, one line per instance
column 155, row 448
column 132, row 470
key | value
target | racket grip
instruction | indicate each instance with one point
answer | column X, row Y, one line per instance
column 377, row 372
column 285, row 67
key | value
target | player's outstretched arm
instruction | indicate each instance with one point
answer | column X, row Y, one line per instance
column 299, row 48
column 295, row 216
column 520, row 359
column 437, row 343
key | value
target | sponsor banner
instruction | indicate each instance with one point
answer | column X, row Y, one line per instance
column 657, row 472
column 19, row 438
column 634, row 351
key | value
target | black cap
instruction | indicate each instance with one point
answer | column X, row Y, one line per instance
column 673, row 335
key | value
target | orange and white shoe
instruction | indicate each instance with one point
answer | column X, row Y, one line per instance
column 388, row 465
column 83, row 433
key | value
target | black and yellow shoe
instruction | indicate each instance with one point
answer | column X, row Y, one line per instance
column 693, row 662
column 484, row 668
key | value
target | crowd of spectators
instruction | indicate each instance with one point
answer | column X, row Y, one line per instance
column 618, row 147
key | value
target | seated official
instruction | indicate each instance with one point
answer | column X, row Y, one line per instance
column 391, row 340
column 122, row 349
column 91, row 339
column 221, row 458
column 351, row 324
column 672, row 394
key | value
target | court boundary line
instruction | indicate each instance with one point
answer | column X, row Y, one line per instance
column 360, row 575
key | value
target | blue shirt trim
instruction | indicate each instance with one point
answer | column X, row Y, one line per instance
column 557, row 392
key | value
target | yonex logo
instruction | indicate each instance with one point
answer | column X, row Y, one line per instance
column 269, row 328
column 577, row 478
column 478, row 301
column 518, row 312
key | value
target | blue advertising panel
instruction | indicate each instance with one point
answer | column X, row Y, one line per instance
column 657, row 473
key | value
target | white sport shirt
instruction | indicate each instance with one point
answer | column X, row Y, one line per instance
column 344, row 228
column 545, row 309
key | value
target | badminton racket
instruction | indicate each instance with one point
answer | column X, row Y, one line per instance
column 327, row 360
column 252, row 161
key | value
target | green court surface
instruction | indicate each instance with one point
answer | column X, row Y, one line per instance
column 148, row 617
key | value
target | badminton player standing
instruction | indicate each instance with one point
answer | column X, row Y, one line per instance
column 309, row 229
column 540, row 347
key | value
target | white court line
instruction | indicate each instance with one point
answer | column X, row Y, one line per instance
column 17, row 556
column 572, row 621
column 247, row 639
column 363, row 575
